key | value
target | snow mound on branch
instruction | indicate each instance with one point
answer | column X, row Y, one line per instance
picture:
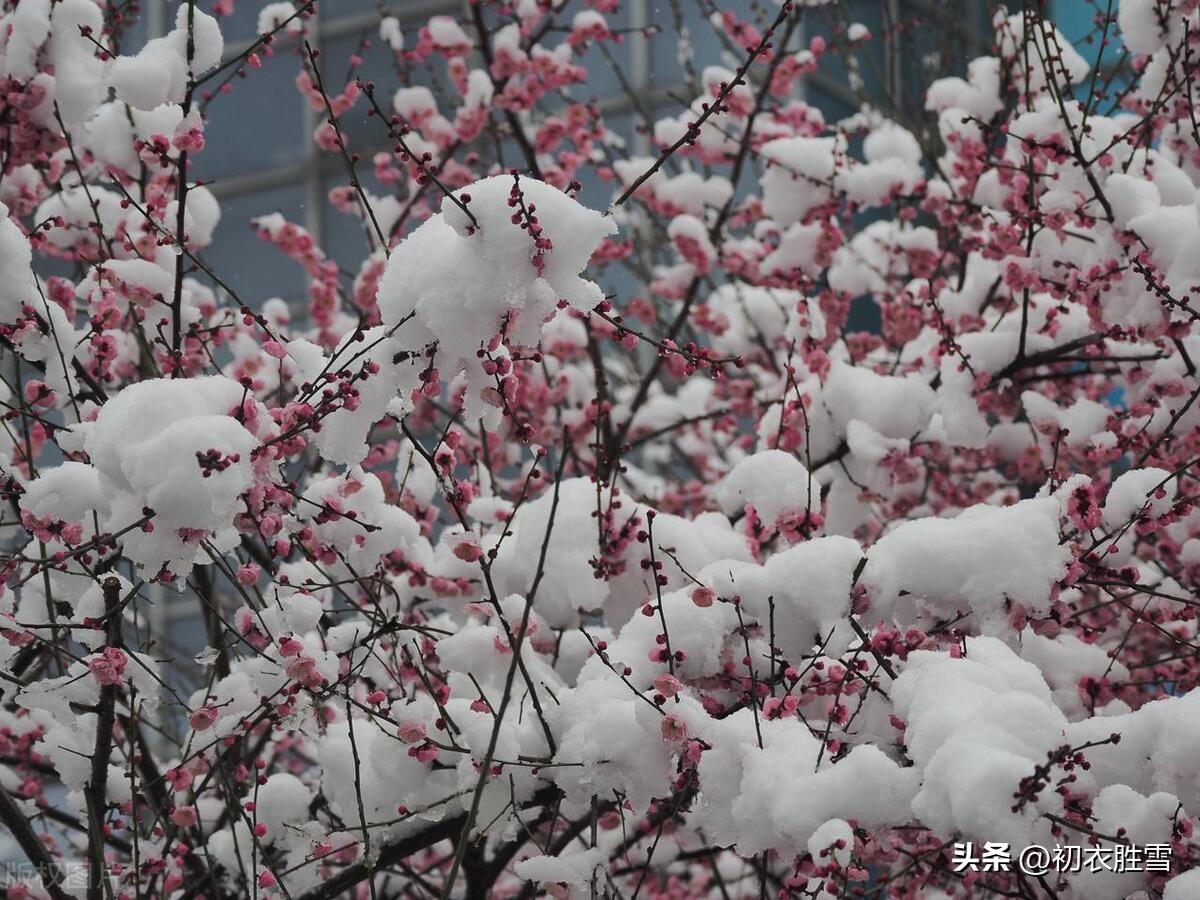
column 1135, row 491
column 894, row 406
column 976, row 726
column 53, row 35
column 882, row 247
column 1064, row 661
column 613, row 741
column 29, row 27
column 464, row 282
column 66, row 494
column 700, row 633
column 568, row 868
column 1048, row 48
column 159, row 72
column 893, row 162
column 799, row 176
column 777, row 796
column 273, row 16
column 978, row 95
column 1142, row 820
column 1145, row 28
column 755, row 316
column 802, row 593
column 1156, row 753
column 385, row 373
column 68, row 491
column 145, row 444
column 17, row 287
column 386, row 779
column 368, row 525
column 1130, row 196
column 810, row 584
column 694, row 544
column 1080, row 421
column 282, row 803
column 1183, row 887
column 775, row 483
column 568, row 584
column 976, row 560
column 688, row 192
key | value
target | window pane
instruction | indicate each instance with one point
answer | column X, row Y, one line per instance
column 259, row 125
column 254, row 274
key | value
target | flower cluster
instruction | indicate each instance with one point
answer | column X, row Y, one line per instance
column 757, row 506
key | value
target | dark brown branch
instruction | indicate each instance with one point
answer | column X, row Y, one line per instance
column 97, row 785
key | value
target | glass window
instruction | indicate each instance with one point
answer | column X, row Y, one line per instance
column 262, row 158
column 259, row 125
column 254, row 274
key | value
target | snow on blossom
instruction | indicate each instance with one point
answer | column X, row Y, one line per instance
column 800, row 178
column 825, row 501
column 472, row 272
column 175, row 448
column 752, row 794
column 276, row 15
column 1139, row 491
column 572, row 869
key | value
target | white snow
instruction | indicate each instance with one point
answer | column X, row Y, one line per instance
column 974, row 561
column 454, row 283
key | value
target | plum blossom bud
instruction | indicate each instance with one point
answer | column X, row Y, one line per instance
column 468, row 551
column 673, row 729
column 202, row 719
column 667, row 685
column 411, row 732
column 703, row 596
column 39, row 395
column 108, row 667
column 184, row 816
column 248, row 574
